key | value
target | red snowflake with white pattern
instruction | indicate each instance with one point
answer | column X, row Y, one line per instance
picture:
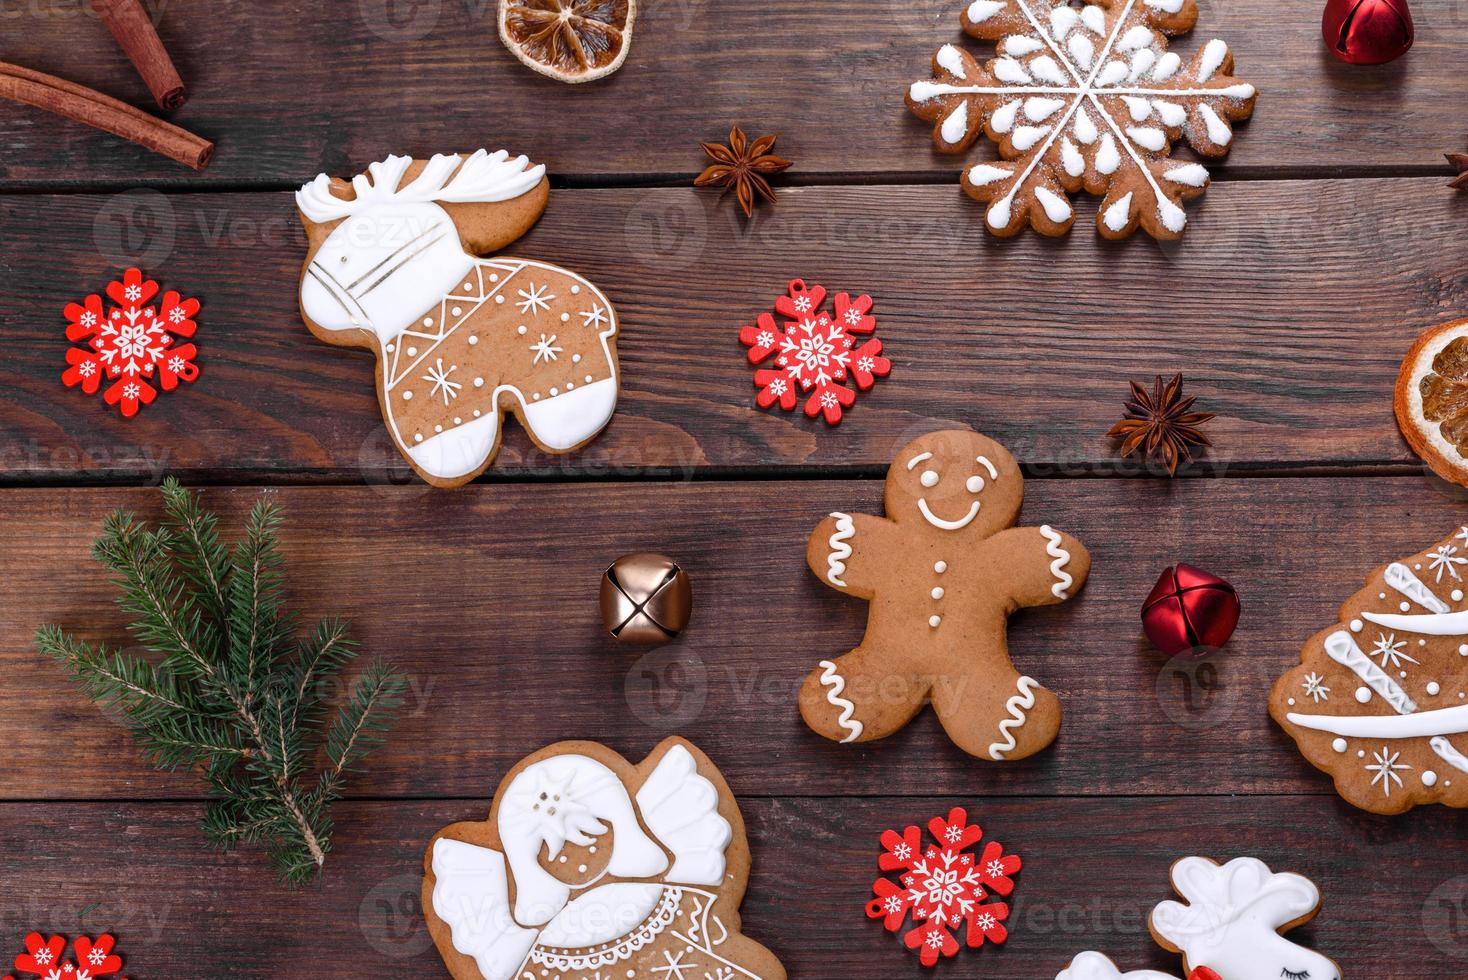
column 133, row 345
column 944, row 888
column 89, row 960
column 815, row 353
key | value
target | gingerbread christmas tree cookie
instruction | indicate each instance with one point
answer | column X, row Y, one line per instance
column 1083, row 98
column 590, row 867
column 1380, row 700
column 942, row 572
column 460, row 340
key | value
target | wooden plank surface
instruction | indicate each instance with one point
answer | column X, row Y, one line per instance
column 288, row 90
column 492, row 615
column 1094, row 869
column 1267, row 306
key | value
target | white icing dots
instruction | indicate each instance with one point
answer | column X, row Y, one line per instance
column 588, row 379
column 575, row 358
column 1356, row 625
column 565, row 317
column 412, row 352
column 499, row 299
column 940, row 567
column 1463, row 649
column 1290, row 702
column 473, row 339
column 936, row 593
column 975, row 484
column 417, row 437
column 1457, row 595
column 1119, row 213
column 428, row 321
column 407, row 396
column 1405, row 606
column 1434, row 688
column 1339, row 745
column 929, row 478
column 457, row 311
column 575, row 290
column 521, row 329
column 479, row 382
column 1363, row 695
column 1429, row 778
column 933, row 621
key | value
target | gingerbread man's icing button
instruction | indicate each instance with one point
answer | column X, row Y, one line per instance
column 953, row 493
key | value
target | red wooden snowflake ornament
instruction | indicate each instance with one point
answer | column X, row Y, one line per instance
column 130, row 343
column 815, row 352
column 89, row 960
column 944, row 888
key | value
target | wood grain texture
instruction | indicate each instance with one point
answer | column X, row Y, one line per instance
column 487, row 600
column 288, row 90
column 1094, row 869
column 1288, row 306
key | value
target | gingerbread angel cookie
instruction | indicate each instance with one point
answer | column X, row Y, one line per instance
column 393, row 266
column 590, row 867
column 942, row 572
column 1380, row 701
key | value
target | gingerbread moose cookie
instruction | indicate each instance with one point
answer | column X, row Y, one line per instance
column 942, row 572
column 393, row 266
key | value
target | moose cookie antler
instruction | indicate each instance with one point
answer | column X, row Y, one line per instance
column 393, row 266
column 942, row 572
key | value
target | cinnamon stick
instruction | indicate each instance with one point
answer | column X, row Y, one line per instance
column 84, row 105
column 133, row 28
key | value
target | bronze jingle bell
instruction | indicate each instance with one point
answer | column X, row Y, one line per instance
column 645, row 598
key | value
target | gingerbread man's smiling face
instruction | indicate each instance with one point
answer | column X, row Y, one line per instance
column 955, row 482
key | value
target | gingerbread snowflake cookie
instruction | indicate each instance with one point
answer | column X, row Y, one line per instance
column 590, row 867
column 1380, row 701
column 942, row 572
column 393, row 266
column 1083, row 98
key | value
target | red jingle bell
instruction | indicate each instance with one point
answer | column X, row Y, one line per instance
column 1188, row 609
column 1367, row 32
column 1203, row 973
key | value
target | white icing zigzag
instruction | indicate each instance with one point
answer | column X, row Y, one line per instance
column 840, row 550
column 1448, row 754
column 835, row 684
column 1062, row 558
column 1016, row 706
column 1342, row 648
column 1400, row 577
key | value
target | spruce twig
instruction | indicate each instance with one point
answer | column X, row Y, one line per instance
column 231, row 693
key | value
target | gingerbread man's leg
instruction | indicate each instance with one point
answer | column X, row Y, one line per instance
column 993, row 712
column 861, row 696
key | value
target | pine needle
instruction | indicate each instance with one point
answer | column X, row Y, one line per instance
column 228, row 690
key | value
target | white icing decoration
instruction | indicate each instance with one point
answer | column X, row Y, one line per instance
column 1002, row 121
column 1085, row 128
column 946, row 525
column 1046, row 70
column 955, row 125
column 1138, row 108
column 1167, row 66
column 1071, row 158
column 840, row 550
column 981, row 10
column 1191, row 174
column 1142, row 62
column 1137, row 37
column 1429, row 778
column 1448, row 754
column 950, row 59
column 1419, row 724
column 1342, row 648
column 1082, row 49
column 471, row 896
column 1017, row 45
column 568, row 799
column 1168, row 6
column 1038, row 109
column 1433, row 624
column 1119, row 213
column 681, row 808
column 1363, row 695
column 1148, row 138
column 1339, row 745
column 1094, row 18
column 1108, row 159
column 982, row 173
column 1214, row 52
column 1218, row 130
column 1017, row 706
column 1062, row 19
column 1094, row 966
column 986, row 464
column 1009, row 70
column 1400, row 578
column 1434, row 688
column 1025, row 137
column 1053, row 548
column 1173, row 217
column 1170, row 113
column 1232, row 918
column 835, row 684
column 1057, row 208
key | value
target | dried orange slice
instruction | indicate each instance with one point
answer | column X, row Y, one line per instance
column 1432, row 400
column 569, row 40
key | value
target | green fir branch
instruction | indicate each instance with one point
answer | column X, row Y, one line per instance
column 228, row 690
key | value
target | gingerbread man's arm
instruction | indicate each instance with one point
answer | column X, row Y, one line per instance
column 1041, row 565
column 845, row 552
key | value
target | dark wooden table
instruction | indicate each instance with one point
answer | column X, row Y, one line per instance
column 1326, row 244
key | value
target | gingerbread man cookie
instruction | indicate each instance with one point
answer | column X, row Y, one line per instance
column 942, row 572
column 393, row 266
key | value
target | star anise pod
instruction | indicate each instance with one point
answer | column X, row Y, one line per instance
column 1160, row 424
column 743, row 166
column 1460, row 163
